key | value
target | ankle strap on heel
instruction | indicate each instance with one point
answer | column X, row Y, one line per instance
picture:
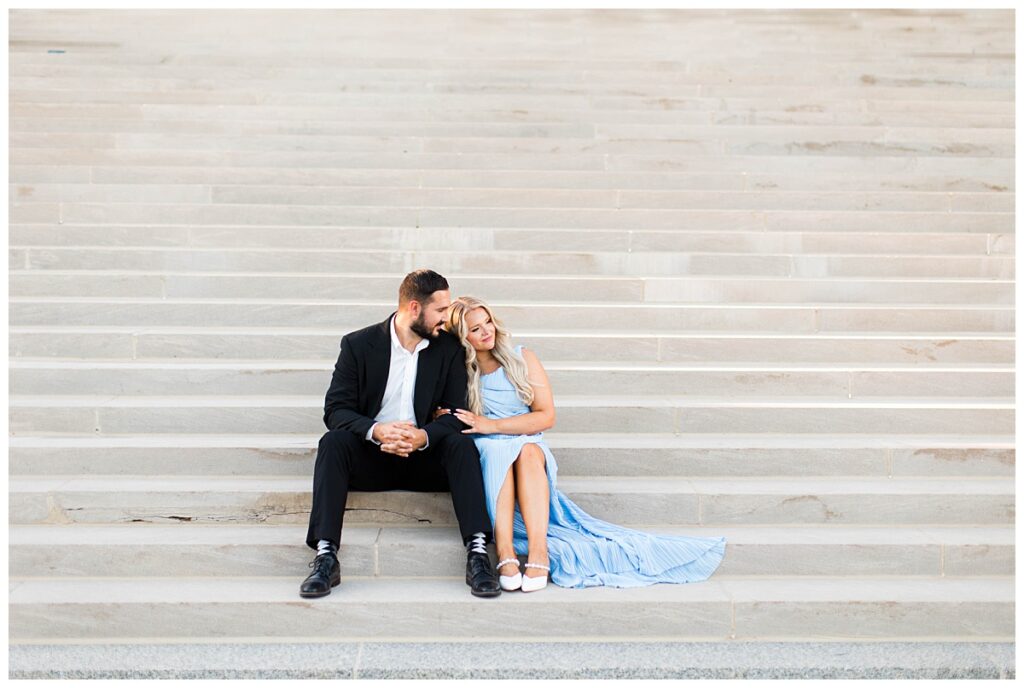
column 508, row 561
column 537, row 566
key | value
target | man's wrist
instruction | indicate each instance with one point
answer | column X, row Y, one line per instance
column 426, row 440
column 369, row 435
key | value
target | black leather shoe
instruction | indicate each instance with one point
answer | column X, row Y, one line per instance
column 326, row 574
column 480, row 576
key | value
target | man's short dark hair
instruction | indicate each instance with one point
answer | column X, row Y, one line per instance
column 420, row 285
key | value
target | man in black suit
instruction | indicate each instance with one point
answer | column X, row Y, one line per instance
column 388, row 381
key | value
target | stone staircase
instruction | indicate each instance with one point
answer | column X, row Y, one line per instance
column 766, row 257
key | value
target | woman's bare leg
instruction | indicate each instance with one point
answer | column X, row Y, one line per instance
column 504, row 511
column 532, row 491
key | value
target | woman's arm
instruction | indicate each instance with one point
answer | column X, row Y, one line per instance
column 542, row 410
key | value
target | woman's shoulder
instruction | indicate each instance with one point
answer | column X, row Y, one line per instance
column 525, row 353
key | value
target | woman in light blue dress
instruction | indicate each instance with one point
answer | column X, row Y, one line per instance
column 511, row 405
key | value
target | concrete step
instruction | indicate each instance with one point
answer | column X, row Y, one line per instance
column 458, row 96
column 421, row 121
column 607, row 89
column 663, row 160
column 827, row 66
column 944, row 110
column 199, row 344
column 234, row 377
column 423, row 81
column 831, row 35
column 246, row 258
column 702, row 140
column 483, row 659
column 502, row 216
column 781, row 179
column 785, row 608
column 372, row 249
column 626, row 501
column 831, row 67
column 761, row 135
column 904, row 170
column 807, row 163
column 111, row 157
column 767, row 120
column 593, row 454
column 55, row 552
column 797, row 318
column 429, row 194
column 576, row 414
column 537, row 288
column 557, row 198
column 767, row 123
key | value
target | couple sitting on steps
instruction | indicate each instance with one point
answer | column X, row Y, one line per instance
column 413, row 406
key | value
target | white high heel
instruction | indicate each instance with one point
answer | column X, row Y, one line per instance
column 535, row 583
column 509, row 583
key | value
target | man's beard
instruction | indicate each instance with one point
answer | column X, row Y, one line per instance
column 419, row 326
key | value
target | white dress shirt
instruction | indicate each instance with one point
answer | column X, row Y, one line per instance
column 397, row 402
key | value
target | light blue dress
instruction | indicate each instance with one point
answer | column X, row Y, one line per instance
column 583, row 550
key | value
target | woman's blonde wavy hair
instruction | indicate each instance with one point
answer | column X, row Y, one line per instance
column 513, row 363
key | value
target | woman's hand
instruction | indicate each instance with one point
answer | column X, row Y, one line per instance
column 480, row 425
column 440, row 412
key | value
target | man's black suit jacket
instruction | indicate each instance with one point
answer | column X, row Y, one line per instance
column 360, row 376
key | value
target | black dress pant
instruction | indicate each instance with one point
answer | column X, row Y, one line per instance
column 345, row 461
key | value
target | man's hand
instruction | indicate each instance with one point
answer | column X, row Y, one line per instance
column 399, row 437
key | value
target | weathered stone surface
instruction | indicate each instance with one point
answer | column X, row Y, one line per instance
column 505, row 660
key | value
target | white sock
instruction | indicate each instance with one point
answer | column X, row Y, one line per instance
column 326, row 547
column 477, row 543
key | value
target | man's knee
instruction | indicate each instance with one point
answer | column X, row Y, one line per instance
column 339, row 442
column 457, row 444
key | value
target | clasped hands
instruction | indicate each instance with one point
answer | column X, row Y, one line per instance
column 400, row 437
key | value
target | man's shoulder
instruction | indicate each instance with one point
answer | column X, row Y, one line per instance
column 447, row 341
column 367, row 333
